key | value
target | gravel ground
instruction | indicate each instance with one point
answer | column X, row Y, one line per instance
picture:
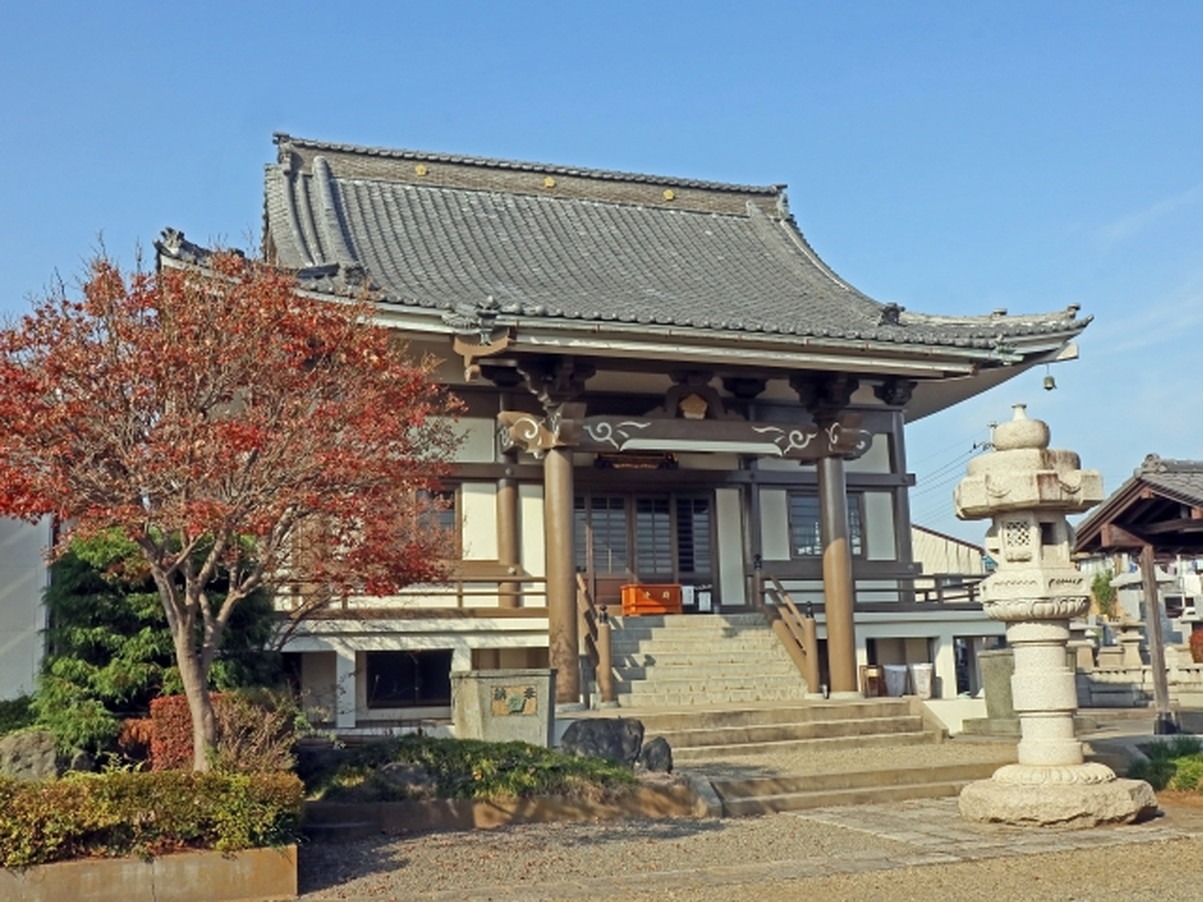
column 903, row 851
column 783, row 856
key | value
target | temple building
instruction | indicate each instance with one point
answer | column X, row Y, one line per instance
column 665, row 386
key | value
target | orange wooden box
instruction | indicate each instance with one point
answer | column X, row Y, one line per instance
column 651, row 599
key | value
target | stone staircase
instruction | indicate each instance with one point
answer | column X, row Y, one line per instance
column 814, row 754
column 701, row 659
column 765, row 795
column 734, row 709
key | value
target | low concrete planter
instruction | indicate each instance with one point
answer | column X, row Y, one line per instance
column 335, row 821
column 184, row 877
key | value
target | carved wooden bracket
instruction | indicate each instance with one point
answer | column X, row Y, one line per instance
column 693, row 398
column 895, row 392
column 471, row 351
column 537, row 435
column 825, row 395
column 610, row 434
column 557, row 381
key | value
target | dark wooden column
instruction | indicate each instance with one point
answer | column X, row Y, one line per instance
column 1161, row 691
column 838, row 590
column 563, row 641
column 507, row 536
column 826, row 396
column 555, row 382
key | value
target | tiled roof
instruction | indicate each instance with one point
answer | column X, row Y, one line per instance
column 1181, row 480
column 439, row 231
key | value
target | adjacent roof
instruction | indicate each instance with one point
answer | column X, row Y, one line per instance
column 1160, row 505
column 539, row 242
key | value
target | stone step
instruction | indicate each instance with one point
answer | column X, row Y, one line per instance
column 731, row 697
column 705, row 657
column 685, row 679
column 655, row 721
column 830, row 798
column 759, row 787
column 792, row 746
column 776, row 733
column 689, row 621
column 683, row 642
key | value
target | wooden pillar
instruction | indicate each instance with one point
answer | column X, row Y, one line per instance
column 507, row 538
column 1161, row 691
column 838, row 592
column 563, row 648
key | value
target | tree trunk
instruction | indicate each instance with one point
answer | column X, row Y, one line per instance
column 200, row 704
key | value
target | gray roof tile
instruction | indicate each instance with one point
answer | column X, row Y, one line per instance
column 440, row 231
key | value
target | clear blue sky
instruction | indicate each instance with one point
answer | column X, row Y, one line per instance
column 952, row 157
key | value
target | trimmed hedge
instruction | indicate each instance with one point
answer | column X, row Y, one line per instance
column 171, row 732
column 123, row 813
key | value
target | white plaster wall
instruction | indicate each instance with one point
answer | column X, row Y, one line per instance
column 875, row 460
column 728, row 514
column 774, row 525
column 479, row 440
column 531, row 554
column 880, row 537
column 22, row 617
column 333, row 651
column 724, row 462
column 926, row 636
column 478, row 518
column 944, row 554
column 318, row 695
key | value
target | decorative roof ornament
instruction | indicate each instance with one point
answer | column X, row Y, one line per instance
column 480, row 318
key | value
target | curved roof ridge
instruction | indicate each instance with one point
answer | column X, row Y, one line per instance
column 284, row 141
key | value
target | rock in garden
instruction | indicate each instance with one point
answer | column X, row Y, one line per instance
column 617, row 739
column 29, row 756
column 657, row 756
column 413, row 780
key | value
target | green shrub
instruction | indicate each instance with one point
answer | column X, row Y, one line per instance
column 110, row 652
column 469, row 769
column 1176, row 762
column 15, row 714
column 123, row 813
column 1187, row 774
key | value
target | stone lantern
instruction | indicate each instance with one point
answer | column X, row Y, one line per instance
column 1027, row 489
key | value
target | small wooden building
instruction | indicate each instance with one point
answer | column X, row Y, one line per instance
column 665, row 385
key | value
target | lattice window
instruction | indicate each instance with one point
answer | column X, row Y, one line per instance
column 1017, row 540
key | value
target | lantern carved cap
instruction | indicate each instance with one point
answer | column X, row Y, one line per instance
column 1024, row 473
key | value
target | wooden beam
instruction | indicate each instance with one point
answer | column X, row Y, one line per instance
column 1112, row 535
column 1179, row 524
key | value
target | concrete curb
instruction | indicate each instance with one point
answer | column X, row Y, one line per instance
column 253, row 874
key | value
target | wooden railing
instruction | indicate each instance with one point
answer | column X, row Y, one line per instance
column 481, row 588
column 882, row 595
column 796, row 631
column 593, row 631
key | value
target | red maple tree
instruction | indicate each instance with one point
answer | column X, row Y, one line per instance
column 226, row 424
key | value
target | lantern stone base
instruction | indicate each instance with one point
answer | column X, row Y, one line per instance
column 1068, row 806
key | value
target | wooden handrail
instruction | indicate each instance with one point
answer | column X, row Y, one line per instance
column 800, row 634
column 595, row 638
